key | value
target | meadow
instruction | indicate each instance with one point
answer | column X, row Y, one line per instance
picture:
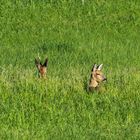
column 73, row 34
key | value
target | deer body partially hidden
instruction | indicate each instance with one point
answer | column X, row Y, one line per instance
column 97, row 77
column 42, row 68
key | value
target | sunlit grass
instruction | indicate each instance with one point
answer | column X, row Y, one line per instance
column 74, row 36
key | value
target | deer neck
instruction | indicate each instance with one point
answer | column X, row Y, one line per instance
column 93, row 83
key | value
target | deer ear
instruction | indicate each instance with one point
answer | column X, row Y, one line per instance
column 100, row 67
column 94, row 67
column 37, row 63
column 46, row 62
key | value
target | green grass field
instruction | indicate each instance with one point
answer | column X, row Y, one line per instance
column 73, row 34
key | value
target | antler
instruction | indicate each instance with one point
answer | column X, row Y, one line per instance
column 37, row 63
column 46, row 62
column 100, row 67
column 94, row 67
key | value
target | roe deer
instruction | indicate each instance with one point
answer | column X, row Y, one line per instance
column 42, row 68
column 96, row 78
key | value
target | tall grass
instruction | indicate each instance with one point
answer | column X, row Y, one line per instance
column 73, row 35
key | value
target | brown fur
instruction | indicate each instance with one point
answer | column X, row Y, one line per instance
column 42, row 68
column 97, row 77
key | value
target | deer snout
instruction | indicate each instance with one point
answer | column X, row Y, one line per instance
column 105, row 79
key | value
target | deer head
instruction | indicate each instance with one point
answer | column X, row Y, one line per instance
column 96, row 78
column 42, row 68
